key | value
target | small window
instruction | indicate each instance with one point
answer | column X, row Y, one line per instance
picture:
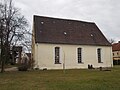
column 79, row 53
column 57, row 55
column 113, row 54
column 99, row 55
column 117, row 53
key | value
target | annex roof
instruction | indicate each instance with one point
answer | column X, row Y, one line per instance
column 116, row 46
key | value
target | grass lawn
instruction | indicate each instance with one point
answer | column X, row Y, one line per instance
column 57, row 80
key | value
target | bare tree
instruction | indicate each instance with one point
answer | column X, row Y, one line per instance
column 13, row 27
column 111, row 41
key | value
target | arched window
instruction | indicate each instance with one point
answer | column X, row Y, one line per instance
column 79, row 54
column 57, row 55
column 99, row 55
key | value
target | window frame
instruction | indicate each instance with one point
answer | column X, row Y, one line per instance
column 79, row 55
column 57, row 55
column 99, row 55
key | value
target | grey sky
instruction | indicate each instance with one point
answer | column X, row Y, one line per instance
column 105, row 13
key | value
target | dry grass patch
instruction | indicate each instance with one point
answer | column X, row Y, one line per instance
column 57, row 80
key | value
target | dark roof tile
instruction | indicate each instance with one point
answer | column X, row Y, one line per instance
column 64, row 31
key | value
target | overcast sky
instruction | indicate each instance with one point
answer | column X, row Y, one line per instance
column 105, row 13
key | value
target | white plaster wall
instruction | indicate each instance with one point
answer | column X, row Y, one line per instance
column 44, row 56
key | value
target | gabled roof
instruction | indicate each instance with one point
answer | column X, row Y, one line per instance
column 116, row 46
column 64, row 31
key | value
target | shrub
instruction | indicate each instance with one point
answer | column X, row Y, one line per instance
column 23, row 68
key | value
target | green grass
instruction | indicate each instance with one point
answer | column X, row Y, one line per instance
column 57, row 80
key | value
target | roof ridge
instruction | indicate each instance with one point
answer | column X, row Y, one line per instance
column 68, row 19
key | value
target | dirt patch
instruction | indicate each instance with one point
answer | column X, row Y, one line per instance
column 11, row 69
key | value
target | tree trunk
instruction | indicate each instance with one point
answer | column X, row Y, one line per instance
column 2, row 66
column 2, row 56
